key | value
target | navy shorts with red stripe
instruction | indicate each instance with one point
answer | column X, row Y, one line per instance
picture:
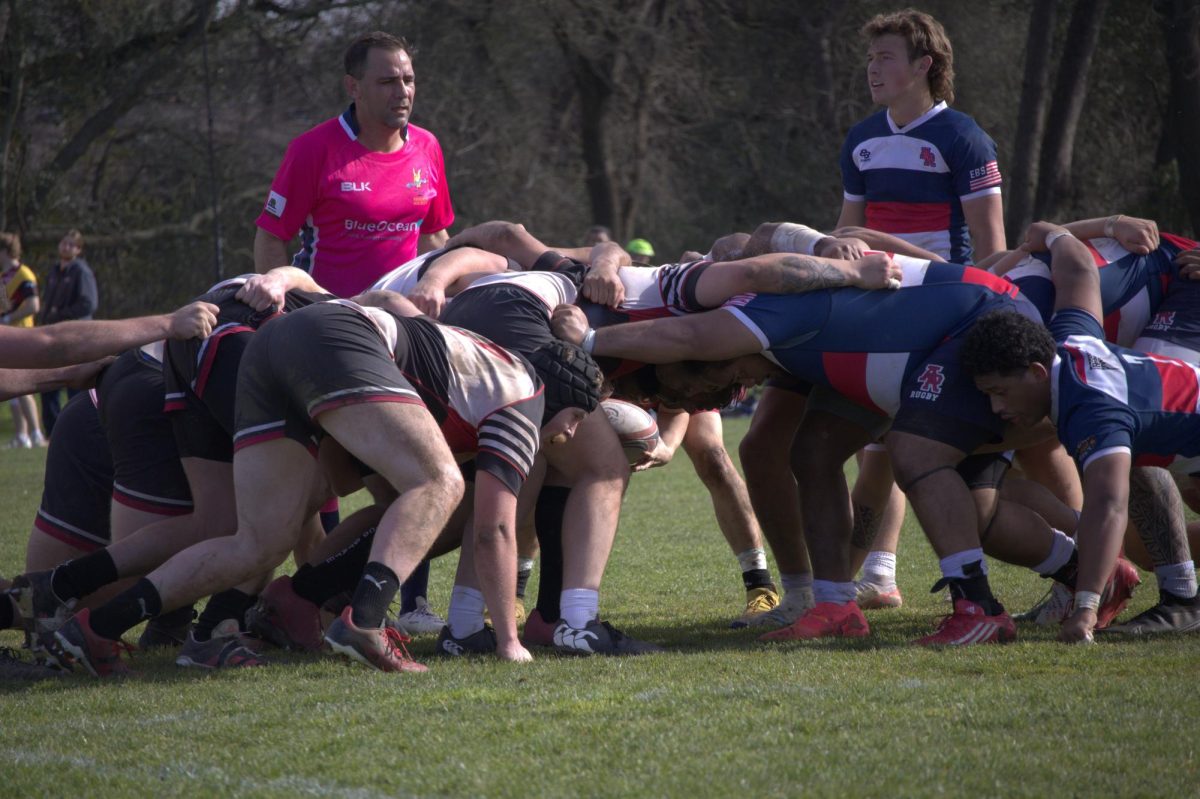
column 201, row 391
column 310, row 361
column 77, row 488
column 147, row 475
column 939, row 402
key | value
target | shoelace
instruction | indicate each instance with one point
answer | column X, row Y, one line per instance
column 760, row 604
column 396, row 642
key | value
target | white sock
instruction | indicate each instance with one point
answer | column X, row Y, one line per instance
column 465, row 616
column 1178, row 579
column 952, row 565
column 752, row 559
column 579, row 606
column 829, row 591
column 1060, row 553
column 796, row 582
column 879, row 569
column 524, row 565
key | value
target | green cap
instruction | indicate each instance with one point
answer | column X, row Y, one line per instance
column 639, row 247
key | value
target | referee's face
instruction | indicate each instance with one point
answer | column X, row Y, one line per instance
column 384, row 94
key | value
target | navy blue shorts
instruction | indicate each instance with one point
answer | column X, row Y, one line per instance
column 146, row 471
column 939, row 402
column 77, row 488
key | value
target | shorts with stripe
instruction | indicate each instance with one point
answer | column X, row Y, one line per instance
column 939, row 402
column 147, row 475
column 201, row 388
column 77, row 489
column 507, row 315
column 310, row 361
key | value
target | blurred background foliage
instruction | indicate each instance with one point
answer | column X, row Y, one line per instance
column 155, row 126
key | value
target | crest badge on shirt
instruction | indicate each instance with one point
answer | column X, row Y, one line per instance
column 422, row 191
column 276, row 202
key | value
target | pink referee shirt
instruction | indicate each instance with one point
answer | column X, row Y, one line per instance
column 360, row 211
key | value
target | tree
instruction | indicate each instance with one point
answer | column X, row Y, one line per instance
column 1031, row 118
column 1181, row 26
column 1070, row 92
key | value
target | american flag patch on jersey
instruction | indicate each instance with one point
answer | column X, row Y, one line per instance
column 985, row 176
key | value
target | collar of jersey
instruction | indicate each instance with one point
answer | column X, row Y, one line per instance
column 921, row 120
column 349, row 120
column 1055, row 369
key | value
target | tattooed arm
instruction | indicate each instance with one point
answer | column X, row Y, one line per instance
column 791, row 273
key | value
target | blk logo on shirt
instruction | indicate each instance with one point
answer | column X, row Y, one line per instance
column 348, row 185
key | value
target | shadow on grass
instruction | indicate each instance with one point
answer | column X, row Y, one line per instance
column 694, row 636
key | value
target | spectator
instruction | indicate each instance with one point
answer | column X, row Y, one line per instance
column 597, row 234
column 70, row 294
column 640, row 252
column 18, row 306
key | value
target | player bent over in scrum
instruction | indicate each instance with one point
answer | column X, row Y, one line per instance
column 369, row 378
column 1113, row 408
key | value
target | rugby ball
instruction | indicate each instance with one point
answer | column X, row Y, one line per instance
column 635, row 427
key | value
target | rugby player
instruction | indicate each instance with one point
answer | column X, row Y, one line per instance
column 1113, row 408
column 893, row 354
column 373, row 379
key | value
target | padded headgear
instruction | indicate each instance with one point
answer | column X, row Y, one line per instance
column 571, row 377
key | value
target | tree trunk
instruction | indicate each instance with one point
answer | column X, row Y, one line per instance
column 1181, row 26
column 1031, row 118
column 13, row 50
column 1066, row 106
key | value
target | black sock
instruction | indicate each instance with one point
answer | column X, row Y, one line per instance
column 330, row 519
column 974, row 586
column 1069, row 573
column 523, row 576
column 7, row 612
column 757, row 578
column 337, row 573
column 1165, row 597
column 416, row 585
column 374, row 595
column 125, row 610
column 231, row 604
column 548, row 519
column 77, row 578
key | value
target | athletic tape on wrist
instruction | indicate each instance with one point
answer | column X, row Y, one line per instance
column 790, row 237
column 1086, row 600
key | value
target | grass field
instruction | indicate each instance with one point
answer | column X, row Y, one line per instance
column 720, row 715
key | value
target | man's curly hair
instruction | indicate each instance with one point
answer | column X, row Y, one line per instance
column 1004, row 342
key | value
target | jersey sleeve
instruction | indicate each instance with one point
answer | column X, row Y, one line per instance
column 973, row 164
column 781, row 320
column 1095, row 425
column 293, row 191
column 854, row 187
column 441, row 211
column 509, row 440
column 1075, row 322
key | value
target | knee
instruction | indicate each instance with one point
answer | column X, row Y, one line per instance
column 449, row 484
column 761, row 452
column 712, row 465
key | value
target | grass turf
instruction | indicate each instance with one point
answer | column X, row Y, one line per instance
column 720, row 715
